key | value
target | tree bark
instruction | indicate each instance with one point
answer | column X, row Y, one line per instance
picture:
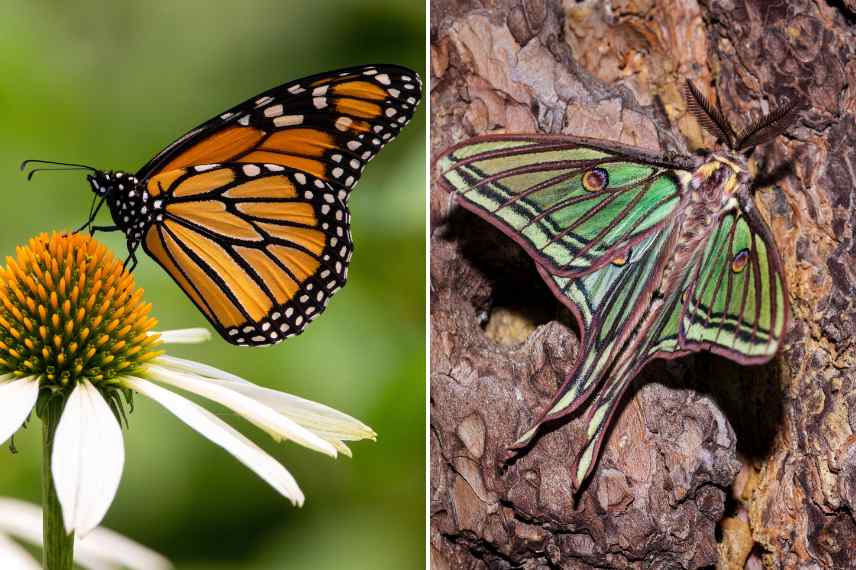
column 709, row 463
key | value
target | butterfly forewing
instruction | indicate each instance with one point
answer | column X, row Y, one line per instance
column 573, row 206
column 259, row 248
column 328, row 125
column 737, row 306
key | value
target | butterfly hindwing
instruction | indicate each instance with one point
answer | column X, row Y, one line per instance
column 259, row 248
column 328, row 125
column 737, row 306
column 573, row 204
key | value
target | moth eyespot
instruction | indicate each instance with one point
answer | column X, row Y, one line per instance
column 621, row 259
column 740, row 260
column 595, row 179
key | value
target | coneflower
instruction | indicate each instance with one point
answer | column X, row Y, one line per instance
column 76, row 343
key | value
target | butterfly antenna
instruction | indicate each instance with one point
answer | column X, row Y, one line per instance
column 33, row 171
column 61, row 165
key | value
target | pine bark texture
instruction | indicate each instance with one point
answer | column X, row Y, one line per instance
column 709, row 463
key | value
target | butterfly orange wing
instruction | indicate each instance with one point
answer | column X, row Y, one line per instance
column 252, row 216
column 260, row 249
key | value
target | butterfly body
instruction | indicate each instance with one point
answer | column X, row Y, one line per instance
column 129, row 204
column 248, row 211
column 656, row 255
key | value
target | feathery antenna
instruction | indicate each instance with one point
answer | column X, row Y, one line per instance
column 708, row 115
column 770, row 125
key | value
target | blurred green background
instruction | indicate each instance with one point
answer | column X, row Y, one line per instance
column 109, row 84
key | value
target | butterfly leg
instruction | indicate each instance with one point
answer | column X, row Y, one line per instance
column 93, row 212
column 93, row 229
column 131, row 259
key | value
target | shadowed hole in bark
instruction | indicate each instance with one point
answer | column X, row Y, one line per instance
column 749, row 397
column 519, row 300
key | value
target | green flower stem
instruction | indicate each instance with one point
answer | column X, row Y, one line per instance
column 58, row 551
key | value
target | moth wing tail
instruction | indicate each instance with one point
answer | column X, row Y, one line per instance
column 575, row 391
column 598, row 419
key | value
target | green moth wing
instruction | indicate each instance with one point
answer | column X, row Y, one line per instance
column 574, row 204
column 601, row 301
column 656, row 256
column 738, row 304
column 734, row 304
column 606, row 303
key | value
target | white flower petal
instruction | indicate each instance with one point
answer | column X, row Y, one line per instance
column 341, row 447
column 324, row 420
column 277, row 425
column 223, row 435
column 184, row 336
column 21, row 519
column 184, row 365
column 88, row 457
column 15, row 556
column 102, row 548
column 17, row 399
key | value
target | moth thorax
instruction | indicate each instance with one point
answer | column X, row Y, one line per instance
column 716, row 181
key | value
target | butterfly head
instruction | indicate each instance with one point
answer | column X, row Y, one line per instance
column 104, row 182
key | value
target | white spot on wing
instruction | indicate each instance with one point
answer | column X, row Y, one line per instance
column 343, row 123
column 273, row 111
column 288, row 120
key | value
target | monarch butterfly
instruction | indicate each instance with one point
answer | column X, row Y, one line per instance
column 248, row 211
column 656, row 255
